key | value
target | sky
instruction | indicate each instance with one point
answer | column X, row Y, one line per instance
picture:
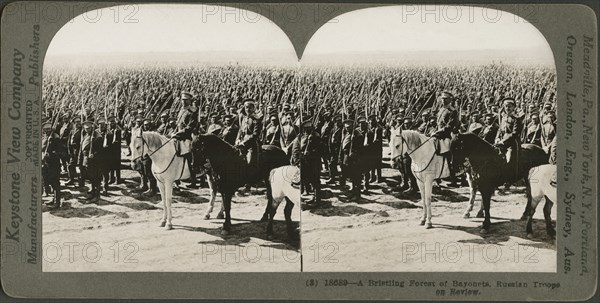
column 199, row 28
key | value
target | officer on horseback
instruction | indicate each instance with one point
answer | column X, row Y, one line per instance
column 187, row 121
column 248, row 138
column 447, row 125
column 508, row 137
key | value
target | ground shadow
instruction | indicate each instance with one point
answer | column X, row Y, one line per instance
column 85, row 212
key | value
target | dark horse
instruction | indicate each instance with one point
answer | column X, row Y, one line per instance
column 230, row 170
column 491, row 170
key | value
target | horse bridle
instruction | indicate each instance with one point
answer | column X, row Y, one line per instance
column 409, row 151
column 144, row 143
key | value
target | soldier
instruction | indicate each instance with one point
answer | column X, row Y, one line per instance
column 377, row 141
column 447, row 125
column 113, row 143
column 352, row 141
column 215, row 126
column 164, row 123
column 103, row 155
column 324, row 128
column 544, row 113
column 273, row 131
column 91, row 145
column 288, row 131
column 52, row 152
column 475, row 125
column 187, row 122
column 248, row 138
column 490, row 129
column 534, row 131
column 430, row 127
column 171, row 128
column 73, row 148
column 508, row 137
column 334, row 144
column 230, row 130
column 548, row 130
column 64, row 133
column 306, row 153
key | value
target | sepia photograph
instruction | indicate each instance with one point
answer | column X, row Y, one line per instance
column 167, row 143
column 433, row 141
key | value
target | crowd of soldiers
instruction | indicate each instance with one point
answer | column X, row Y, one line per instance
column 325, row 119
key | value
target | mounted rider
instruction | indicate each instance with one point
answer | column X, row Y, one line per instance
column 248, row 138
column 187, row 121
column 508, row 137
column 447, row 126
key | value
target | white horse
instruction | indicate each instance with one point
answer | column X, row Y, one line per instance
column 167, row 167
column 285, row 184
column 542, row 181
column 427, row 166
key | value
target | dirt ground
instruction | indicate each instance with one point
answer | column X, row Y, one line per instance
column 121, row 233
column 381, row 232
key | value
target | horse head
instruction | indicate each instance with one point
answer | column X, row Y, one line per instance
column 396, row 144
column 137, row 147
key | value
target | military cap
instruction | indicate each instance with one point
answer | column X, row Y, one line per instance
column 401, row 110
column 228, row 117
column 395, row 110
column 508, row 100
column 186, row 96
column 172, row 119
column 373, row 117
column 535, row 115
column 140, row 111
column 47, row 125
column 76, row 119
column 88, row 124
column 349, row 122
column 475, row 113
column 139, row 118
column 337, row 117
column 165, row 114
column 249, row 102
column 289, row 112
column 407, row 118
column 147, row 121
column 361, row 120
column 446, row 95
column 101, row 121
column 489, row 115
column 433, row 118
column 111, row 119
column 273, row 115
column 307, row 123
column 547, row 104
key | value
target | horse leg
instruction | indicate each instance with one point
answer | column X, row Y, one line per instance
column 213, row 196
column 227, row 205
column 268, row 210
column 534, row 202
column 547, row 209
column 422, row 191
column 525, row 214
column 168, row 199
column 428, row 187
column 287, row 211
column 486, row 196
column 161, row 189
column 473, row 194
column 271, row 216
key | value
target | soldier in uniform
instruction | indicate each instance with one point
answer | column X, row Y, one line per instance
column 306, row 153
column 490, row 129
column 113, row 143
column 248, row 138
column 215, row 126
column 475, row 125
column 91, row 145
column 73, row 147
column 273, row 131
column 352, row 141
column 103, row 155
column 447, row 125
column 368, row 138
column 430, row 126
column 187, row 122
column 164, row 123
column 334, row 144
column 230, row 130
column 288, row 131
column 548, row 130
column 324, row 128
column 534, row 131
column 52, row 152
column 378, row 143
column 508, row 137
column 65, row 131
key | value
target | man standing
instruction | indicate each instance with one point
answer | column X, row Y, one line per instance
column 73, row 148
column 490, row 129
column 377, row 149
column 288, row 131
column 91, row 144
column 534, row 131
column 334, row 144
column 306, row 154
column 52, row 152
column 548, row 131
column 352, row 141
column 230, row 130
column 113, row 143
